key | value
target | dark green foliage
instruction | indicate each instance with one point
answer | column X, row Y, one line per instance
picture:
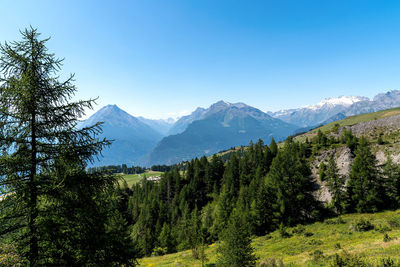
column 321, row 139
column 322, row 171
column 380, row 140
column 335, row 128
column 273, row 147
column 235, row 249
column 391, row 175
column 289, row 178
column 386, row 238
column 349, row 139
column 364, row 185
column 335, row 185
column 388, row 262
column 166, row 240
column 58, row 214
column 363, row 225
column 118, row 169
column 348, row 260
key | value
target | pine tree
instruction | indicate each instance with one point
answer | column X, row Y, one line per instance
column 289, row 178
column 335, row 185
column 363, row 186
column 235, row 249
column 391, row 174
column 273, row 147
column 322, row 171
column 42, row 151
column 165, row 239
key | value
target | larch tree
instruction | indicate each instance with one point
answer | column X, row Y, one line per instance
column 335, row 184
column 364, row 188
column 235, row 249
column 41, row 148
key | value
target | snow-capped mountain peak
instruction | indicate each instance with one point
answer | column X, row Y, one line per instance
column 336, row 101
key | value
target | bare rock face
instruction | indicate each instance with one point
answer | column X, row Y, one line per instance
column 344, row 159
column 388, row 127
column 385, row 125
column 381, row 158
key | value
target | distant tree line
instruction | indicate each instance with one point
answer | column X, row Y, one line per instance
column 118, row 169
column 123, row 168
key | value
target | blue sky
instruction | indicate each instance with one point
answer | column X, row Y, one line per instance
column 165, row 58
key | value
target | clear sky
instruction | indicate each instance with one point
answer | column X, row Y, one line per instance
column 164, row 58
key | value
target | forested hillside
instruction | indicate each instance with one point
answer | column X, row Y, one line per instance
column 261, row 189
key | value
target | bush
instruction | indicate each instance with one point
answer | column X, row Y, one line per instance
column 388, row 263
column 394, row 222
column 380, row 140
column 283, row 232
column 338, row 220
column 299, row 229
column 363, row 225
column 159, row 251
column 308, row 234
column 338, row 246
column 272, row 262
column 382, row 228
column 314, row 242
column 9, row 256
column 386, row 238
column 347, row 260
column 317, row 256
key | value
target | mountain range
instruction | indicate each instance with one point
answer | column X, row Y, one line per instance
column 221, row 126
column 327, row 109
column 142, row 141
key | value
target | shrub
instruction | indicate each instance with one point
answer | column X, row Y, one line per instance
column 363, row 225
column 394, row 222
column 317, row 256
column 283, row 232
column 386, row 238
column 335, row 128
column 347, row 260
column 159, row 251
column 388, row 263
column 380, row 140
column 338, row 220
column 308, row 234
column 382, row 228
column 9, row 256
column 299, row 229
column 314, row 242
column 338, row 246
column 272, row 262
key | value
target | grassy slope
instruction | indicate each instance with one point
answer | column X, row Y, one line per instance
column 298, row 249
column 134, row 178
column 349, row 121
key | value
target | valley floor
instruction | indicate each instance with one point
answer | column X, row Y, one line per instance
column 315, row 244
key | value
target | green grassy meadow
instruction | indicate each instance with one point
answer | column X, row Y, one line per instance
column 313, row 245
column 132, row 179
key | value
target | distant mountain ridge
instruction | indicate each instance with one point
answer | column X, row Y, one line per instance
column 133, row 139
column 182, row 123
column 218, row 127
column 326, row 110
column 160, row 126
